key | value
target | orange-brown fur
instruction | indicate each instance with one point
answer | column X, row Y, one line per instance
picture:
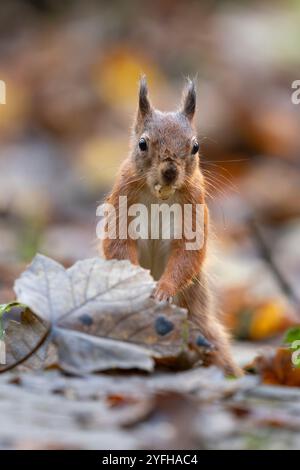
column 170, row 137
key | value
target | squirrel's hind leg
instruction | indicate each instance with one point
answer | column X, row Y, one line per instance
column 197, row 299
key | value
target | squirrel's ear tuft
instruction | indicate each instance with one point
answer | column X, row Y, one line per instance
column 189, row 99
column 144, row 103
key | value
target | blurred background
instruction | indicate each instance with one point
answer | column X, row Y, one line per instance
column 71, row 71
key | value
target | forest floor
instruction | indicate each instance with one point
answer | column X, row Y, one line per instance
column 195, row 409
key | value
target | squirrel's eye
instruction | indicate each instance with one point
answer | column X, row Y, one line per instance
column 143, row 144
column 195, row 148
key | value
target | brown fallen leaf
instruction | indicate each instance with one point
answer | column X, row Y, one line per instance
column 100, row 315
column 276, row 367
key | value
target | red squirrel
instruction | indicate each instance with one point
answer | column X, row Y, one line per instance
column 163, row 166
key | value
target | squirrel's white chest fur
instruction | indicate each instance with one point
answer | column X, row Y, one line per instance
column 153, row 253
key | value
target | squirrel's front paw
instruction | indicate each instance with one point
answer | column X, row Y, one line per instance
column 163, row 292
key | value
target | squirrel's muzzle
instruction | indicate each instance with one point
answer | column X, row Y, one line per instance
column 169, row 173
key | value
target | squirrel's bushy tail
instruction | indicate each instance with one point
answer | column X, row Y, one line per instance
column 198, row 300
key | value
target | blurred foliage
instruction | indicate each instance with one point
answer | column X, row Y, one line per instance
column 253, row 319
column 116, row 76
column 293, row 334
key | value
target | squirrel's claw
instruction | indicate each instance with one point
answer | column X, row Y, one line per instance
column 162, row 295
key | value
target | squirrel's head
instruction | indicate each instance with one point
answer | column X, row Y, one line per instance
column 164, row 145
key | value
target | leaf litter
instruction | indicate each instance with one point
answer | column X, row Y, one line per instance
column 99, row 315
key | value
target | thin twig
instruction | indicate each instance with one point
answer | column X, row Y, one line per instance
column 266, row 253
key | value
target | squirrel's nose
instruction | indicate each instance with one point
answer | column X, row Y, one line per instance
column 169, row 174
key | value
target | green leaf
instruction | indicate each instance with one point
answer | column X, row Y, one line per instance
column 291, row 335
column 297, row 362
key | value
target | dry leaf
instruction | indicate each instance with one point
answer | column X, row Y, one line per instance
column 276, row 367
column 122, row 62
column 255, row 319
column 101, row 315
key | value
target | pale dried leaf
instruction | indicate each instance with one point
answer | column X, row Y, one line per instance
column 101, row 314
